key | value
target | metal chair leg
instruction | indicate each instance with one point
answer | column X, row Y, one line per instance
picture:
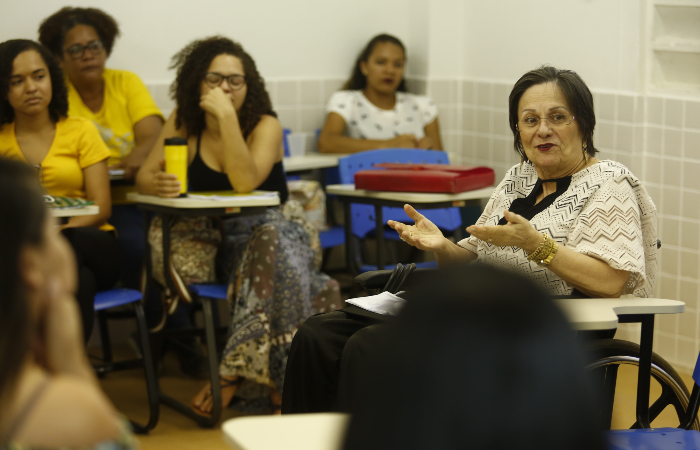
column 213, row 362
column 152, row 386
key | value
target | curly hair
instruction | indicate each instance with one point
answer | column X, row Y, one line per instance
column 192, row 64
column 577, row 95
column 53, row 30
column 58, row 107
column 358, row 80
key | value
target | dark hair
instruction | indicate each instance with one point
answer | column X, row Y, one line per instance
column 481, row 364
column 192, row 63
column 357, row 79
column 577, row 96
column 53, row 30
column 58, row 107
column 21, row 224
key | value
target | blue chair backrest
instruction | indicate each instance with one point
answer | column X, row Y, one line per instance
column 696, row 372
column 285, row 140
column 363, row 215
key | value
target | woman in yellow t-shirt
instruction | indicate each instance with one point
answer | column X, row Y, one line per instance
column 119, row 105
column 69, row 154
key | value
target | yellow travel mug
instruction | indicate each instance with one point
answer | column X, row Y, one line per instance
column 176, row 161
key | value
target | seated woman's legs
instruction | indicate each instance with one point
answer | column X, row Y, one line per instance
column 99, row 263
column 355, row 356
column 314, row 365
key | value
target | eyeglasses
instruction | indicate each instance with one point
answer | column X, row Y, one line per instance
column 76, row 51
column 214, row 79
column 556, row 120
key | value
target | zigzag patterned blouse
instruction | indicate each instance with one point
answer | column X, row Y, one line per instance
column 604, row 213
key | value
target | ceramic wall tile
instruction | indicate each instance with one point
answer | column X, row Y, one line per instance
column 624, row 137
column 438, row 90
column 606, row 106
column 689, row 264
column 468, row 92
column 691, row 144
column 673, row 112
column 688, row 293
column 626, row 108
column 484, row 92
column 691, row 175
column 692, row 114
column 311, row 92
column 690, row 234
column 501, row 92
column 672, row 172
column 655, row 110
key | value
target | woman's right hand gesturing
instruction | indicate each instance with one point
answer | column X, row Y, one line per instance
column 424, row 235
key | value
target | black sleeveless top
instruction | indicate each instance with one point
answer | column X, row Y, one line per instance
column 201, row 177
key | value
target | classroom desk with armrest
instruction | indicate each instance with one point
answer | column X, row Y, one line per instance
column 170, row 209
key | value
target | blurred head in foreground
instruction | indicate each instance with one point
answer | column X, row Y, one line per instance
column 486, row 364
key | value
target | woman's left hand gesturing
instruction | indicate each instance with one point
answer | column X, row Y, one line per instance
column 518, row 232
column 217, row 103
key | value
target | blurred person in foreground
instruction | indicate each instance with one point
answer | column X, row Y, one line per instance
column 49, row 395
column 483, row 365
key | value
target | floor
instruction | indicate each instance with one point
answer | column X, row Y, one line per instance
column 127, row 391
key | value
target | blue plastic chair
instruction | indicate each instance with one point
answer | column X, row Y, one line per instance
column 363, row 223
column 112, row 298
column 663, row 438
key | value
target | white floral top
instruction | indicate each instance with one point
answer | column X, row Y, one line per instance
column 364, row 120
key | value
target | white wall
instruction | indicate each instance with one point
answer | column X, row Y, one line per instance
column 599, row 39
column 300, row 38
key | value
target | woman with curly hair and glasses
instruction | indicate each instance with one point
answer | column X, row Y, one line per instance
column 235, row 143
column 117, row 102
column 69, row 154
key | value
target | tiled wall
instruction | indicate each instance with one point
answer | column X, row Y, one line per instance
column 657, row 138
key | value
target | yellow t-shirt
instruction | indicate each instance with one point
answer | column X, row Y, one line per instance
column 126, row 102
column 76, row 145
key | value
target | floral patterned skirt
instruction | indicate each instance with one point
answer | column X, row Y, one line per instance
column 273, row 288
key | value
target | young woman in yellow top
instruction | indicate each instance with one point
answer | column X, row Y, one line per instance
column 69, row 154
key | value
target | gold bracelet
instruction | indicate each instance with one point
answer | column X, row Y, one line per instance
column 544, row 254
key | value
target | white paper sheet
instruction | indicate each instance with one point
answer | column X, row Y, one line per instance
column 385, row 303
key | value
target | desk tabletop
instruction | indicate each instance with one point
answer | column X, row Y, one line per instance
column 319, row 431
column 89, row 210
column 601, row 313
column 348, row 190
column 189, row 203
column 308, row 162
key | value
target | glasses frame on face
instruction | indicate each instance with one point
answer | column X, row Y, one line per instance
column 553, row 123
column 232, row 80
column 77, row 51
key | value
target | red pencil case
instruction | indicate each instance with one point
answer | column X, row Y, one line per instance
column 424, row 178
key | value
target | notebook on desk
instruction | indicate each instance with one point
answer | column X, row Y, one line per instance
column 228, row 195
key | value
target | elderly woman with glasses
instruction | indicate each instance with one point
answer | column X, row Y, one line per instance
column 234, row 142
column 572, row 223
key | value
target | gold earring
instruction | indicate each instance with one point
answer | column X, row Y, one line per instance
column 585, row 152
